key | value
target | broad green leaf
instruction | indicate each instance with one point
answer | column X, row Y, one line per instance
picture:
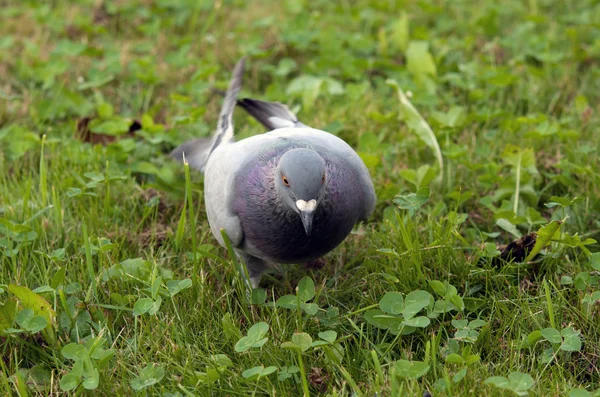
column 520, row 382
column 419, row 59
column 176, row 286
column 509, row 227
column 595, row 260
column 579, row 393
column 91, row 382
column 455, row 358
column 411, row 369
column 69, row 382
column 498, row 381
column 8, row 312
column 39, row 305
column 417, row 322
column 288, row 302
column 258, row 296
column 142, row 306
column 544, row 235
column 400, row 33
column 306, row 289
column 329, row 336
column 392, row 302
column 302, row 340
column 310, row 308
column 375, row 318
column 417, row 124
column 459, row 375
column 413, row 201
column 552, row 335
column 414, row 302
column 572, row 341
column 147, row 377
column 258, row 372
column 72, row 351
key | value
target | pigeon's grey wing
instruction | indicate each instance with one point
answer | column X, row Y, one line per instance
column 272, row 115
column 338, row 146
column 197, row 151
column 220, row 186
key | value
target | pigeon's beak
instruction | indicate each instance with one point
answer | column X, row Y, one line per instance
column 307, row 212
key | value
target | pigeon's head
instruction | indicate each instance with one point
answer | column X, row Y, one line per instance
column 300, row 180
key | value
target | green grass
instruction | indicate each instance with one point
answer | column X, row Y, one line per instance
column 114, row 241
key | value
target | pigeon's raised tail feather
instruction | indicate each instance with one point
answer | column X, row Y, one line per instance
column 272, row 115
column 197, row 151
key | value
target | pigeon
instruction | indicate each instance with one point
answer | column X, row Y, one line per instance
column 288, row 196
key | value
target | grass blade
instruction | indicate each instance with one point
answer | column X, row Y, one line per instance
column 417, row 124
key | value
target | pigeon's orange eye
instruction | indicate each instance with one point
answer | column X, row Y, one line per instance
column 323, row 179
column 285, row 181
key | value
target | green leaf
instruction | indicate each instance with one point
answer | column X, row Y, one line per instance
column 392, row 302
column 416, row 123
column 7, row 314
column 595, row 260
column 142, row 306
column 572, row 341
column 255, row 338
column 155, row 306
column 417, row 322
column 459, row 375
column 419, row 59
column 72, row 351
column 36, row 324
column 415, row 302
column 91, row 381
column 411, row 369
column 258, row 296
column 302, row 340
column 288, row 302
column 374, row 317
column 40, row 307
column 498, row 381
column 147, row 377
column 310, row 308
column 329, row 336
column 176, row 286
column 59, row 276
column 306, row 289
column 400, row 33
column 258, row 372
column 579, row 393
column 455, row 359
column 509, row 227
column 552, row 335
column 520, row 382
column 69, row 382
column 438, row 287
column 544, row 235
column 413, row 201
column 113, row 126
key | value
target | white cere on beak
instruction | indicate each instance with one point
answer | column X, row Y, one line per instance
column 306, row 206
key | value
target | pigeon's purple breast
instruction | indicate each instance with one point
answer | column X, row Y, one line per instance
column 275, row 231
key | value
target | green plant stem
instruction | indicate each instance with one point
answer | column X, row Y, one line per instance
column 549, row 304
column 303, row 373
column 518, row 183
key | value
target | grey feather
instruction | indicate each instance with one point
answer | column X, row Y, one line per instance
column 225, row 126
column 196, row 152
column 272, row 115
